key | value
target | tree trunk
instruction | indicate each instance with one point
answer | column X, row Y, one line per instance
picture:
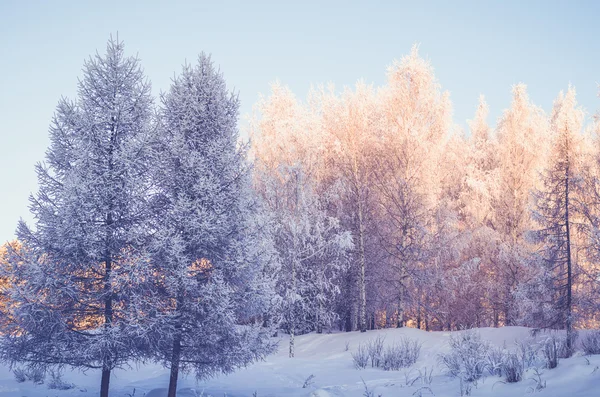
column 292, row 343
column 175, row 359
column 292, row 317
column 348, row 322
column 108, row 318
column 319, row 322
column 176, row 353
column 362, row 305
column 104, row 382
column 426, row 312
column 569, row 320
column 400, row 317
column 354, row 314
column 507, row 315
column 419, row 313
column 108, row 293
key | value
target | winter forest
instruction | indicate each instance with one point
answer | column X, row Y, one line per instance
column 164, row 233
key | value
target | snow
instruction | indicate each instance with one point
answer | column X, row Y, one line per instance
column 325, row 357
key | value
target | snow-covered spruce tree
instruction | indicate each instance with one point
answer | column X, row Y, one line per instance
column 313, row 250
column 554, row 208
column 72, row 281
column 588, row 204
column 209, row 249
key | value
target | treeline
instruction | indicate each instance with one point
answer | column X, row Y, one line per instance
column 158, row 235
column 450, row 229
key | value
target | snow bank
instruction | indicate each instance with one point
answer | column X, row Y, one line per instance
column 325, row 356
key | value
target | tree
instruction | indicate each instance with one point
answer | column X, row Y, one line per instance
column 588, row 205
column 521, row 134
column 210, row 249
column 483, row 240
column 408, row 176
column 73, row 280
column 350, row 123
column 554, row 207
column 481, row 167
column 310, row 241
column 312, row 247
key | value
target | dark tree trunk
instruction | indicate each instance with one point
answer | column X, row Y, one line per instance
column 108, row 294
column 176, row 353
column 104, row 383
column 108, row 318
column 175, row 358
column 348, row 322
column 569, row 321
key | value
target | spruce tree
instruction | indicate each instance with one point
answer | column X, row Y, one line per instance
column 79, row 265
column 554, row 211
column 210, row 248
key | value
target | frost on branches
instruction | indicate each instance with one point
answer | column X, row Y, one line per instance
column 209, row 249
column 80, row 264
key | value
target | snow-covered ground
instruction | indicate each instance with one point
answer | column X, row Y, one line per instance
column 325, row 356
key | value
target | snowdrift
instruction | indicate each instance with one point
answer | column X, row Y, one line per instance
column 328, row 358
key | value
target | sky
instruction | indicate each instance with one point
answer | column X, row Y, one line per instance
column 475, row 47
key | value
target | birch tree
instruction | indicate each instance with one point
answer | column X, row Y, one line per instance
column 350, row 123
column 521, row 135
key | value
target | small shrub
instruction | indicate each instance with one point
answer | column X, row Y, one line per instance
column 410, row 377
column 361, row 357
column 36, row 375
column 20, row 375
column 528, row 353
column 537, row 379
column 401, row 355
column 590, row 343
column 375, row 350
column 553, row 348
column 468, row 357
column 426, row 376
column 512, row 367
column 309, row 381
column 368, row 392
column 56, row 382
column 495, row 359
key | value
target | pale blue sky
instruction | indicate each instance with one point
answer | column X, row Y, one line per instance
column 478, row 47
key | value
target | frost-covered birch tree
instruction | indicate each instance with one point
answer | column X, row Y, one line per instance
column 313, row 250
column 313, row 247
column 80, row 263
column 350, row 123
column 521, row 132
